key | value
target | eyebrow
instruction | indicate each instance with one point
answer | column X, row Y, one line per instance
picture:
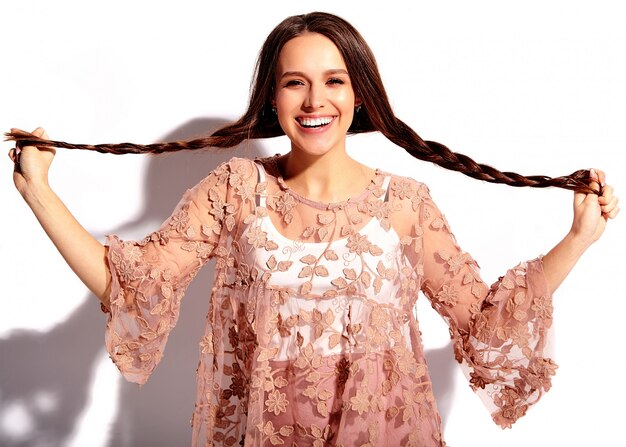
column 327, row 72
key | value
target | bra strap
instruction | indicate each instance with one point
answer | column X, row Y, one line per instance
column 385, row 187
column 260, row 198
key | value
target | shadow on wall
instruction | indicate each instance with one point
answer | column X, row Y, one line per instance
column 442, row 366
column 44, row 371
column 44, row 378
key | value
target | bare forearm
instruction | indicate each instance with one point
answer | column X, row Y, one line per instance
column 83, row 253
column 561, row 259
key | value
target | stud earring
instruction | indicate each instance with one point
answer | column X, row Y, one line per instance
column 357, row 109
column 274, row 110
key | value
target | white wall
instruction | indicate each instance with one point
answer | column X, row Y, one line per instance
column 536, row 87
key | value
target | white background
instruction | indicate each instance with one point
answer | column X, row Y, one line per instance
column 534, row 87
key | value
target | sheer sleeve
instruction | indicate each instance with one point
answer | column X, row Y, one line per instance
column 149, row 278
column 500, row 333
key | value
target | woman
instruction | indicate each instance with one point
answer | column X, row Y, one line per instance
column 311, row 339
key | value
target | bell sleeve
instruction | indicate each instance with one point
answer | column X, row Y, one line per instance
column 500, row 333
column 149, row 277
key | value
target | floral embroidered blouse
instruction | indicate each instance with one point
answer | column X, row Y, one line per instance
column 311, row 338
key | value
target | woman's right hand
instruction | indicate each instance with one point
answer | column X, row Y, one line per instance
column 31, row 164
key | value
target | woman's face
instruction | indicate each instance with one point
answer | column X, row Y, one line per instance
column 314, row 99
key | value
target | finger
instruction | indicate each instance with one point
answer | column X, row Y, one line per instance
column 609, row 206
column 594, row 180
column 15, row 129
column 594, row 177
column 41, row 133
column 14, row 155
column 591, row 200
column 580, row 197
column 607, row 194
column 613, row 213
column 599, row 176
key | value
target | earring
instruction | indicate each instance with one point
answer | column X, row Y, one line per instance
column 357, row 109
column 274, row 110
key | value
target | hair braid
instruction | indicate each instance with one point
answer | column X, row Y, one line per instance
column 27, row 139
column 22, row 138
column 441, row 155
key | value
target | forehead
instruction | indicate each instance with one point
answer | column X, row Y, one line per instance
column 309, row 52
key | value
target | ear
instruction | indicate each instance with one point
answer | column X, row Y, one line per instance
column 272, row 95
column 357, row 102
column 273, row 98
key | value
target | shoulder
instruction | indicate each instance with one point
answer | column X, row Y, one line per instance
column 413, row 207
column 229, row 180
column 406, row 188
column 232, row 173
column 238, row 166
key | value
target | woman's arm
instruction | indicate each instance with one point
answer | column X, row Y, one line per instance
column 501, row 332
column 83, row 253
column 591, row 213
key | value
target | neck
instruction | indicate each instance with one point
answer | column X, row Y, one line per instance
column 331, row 177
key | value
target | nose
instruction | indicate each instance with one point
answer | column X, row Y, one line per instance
column 315, row 97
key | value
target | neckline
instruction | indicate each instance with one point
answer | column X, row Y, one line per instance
column 269, row 226
column 318, row 204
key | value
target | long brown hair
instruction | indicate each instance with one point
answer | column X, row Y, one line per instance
column 375, row 113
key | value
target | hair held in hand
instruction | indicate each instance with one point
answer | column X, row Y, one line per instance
column 374, row 115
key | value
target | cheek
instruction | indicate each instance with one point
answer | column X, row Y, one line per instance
column 345, row 98
column 285, row 102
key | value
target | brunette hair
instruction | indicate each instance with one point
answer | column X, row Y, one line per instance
column 375, row 113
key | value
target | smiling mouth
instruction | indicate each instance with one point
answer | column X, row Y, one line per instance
column 315, row 123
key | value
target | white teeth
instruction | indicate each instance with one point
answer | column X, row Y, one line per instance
column 315, row 122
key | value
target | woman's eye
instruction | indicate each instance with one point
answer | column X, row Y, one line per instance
column 293, row 83
column 335, row 81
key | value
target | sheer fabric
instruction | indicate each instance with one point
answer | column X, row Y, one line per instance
column 311, row 338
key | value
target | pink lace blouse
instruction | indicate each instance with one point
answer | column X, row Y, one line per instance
column 311, row 338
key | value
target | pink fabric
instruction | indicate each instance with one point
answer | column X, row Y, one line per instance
column 311, row 337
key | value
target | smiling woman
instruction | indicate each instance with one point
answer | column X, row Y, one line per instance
column 311, row 338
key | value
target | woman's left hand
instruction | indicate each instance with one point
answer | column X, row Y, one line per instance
column 591, row 211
